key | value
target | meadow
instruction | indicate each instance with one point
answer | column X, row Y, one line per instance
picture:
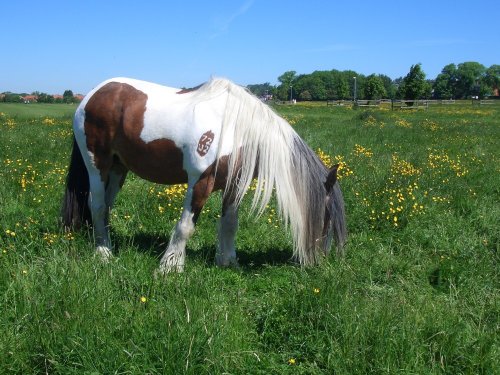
column 416, row 293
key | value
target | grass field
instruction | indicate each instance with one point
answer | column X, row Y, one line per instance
column 35, row 111
column 417, row 292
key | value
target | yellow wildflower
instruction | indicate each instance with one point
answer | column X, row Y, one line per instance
column 10, row 233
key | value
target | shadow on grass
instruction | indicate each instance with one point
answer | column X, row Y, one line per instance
column 146, row 243
column 248, row 259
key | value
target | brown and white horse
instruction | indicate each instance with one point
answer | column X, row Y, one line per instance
column 215, row 137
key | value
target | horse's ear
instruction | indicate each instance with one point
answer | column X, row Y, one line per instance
column 331, row 178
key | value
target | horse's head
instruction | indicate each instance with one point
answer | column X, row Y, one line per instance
column 334, row 225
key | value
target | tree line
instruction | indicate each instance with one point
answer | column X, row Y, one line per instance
column 462, row 81
column 40, row 97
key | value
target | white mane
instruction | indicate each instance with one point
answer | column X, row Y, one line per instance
column 265, row 142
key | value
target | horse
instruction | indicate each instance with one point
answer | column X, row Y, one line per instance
column 217, row 136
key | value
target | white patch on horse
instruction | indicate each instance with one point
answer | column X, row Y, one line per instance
column 183, row 121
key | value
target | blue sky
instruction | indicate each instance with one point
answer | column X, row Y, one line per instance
column 51, row 46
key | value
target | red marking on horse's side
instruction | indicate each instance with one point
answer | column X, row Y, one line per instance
column 205, row 142
column 114, row 119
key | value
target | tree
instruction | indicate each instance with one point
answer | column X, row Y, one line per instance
column 305, row 95
column 324, row 85
column 261, row 89
column 10, row 97
column 492, row 77
column 389, row 86
column 341, row 87
column 374, row 88
column 414, row 85
column 459, row 82
column 470, row 80
column 446, row 82
column 325, row 79
column 45, row 98
column 68, row 96
column 287, row 79
column 313, row 84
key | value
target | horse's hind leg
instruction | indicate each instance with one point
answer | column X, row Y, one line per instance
column 99, row 210
column 101, row 199
column 97, row 195
column 228, row 225
column 116, row 178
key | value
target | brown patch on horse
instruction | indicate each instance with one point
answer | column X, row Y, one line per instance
column 186, row 91
column 212, row 179
column 114, row 119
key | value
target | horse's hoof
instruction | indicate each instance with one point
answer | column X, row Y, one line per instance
column 231, row 262
column 165, row 269
column 104, row 253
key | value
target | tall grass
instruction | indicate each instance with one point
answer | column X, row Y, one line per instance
column 417, row 292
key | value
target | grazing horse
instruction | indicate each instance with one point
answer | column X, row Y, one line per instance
column 217, row 136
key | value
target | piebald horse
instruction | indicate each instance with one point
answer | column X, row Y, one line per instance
column 217, row 136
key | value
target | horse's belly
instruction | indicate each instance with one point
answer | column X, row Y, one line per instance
column 159, row 161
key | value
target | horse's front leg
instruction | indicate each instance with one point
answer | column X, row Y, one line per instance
column 196, row 197
column 228, row 225
column 174, row 257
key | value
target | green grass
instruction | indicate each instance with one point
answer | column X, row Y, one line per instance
column 417, row 292
column 35, row 110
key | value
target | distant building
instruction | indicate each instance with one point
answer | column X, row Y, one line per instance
column 29, row 99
